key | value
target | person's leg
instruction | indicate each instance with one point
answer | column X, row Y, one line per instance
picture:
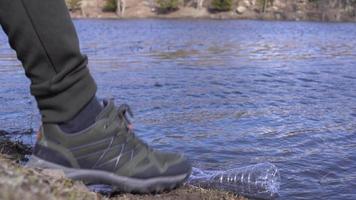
column 45, row 41
column 107, row 151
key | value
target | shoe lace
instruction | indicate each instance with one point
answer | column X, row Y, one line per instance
column 123, row 110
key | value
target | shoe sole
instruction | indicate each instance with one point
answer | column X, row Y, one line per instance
column 119, row 183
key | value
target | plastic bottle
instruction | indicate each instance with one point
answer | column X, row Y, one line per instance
column 260, row 181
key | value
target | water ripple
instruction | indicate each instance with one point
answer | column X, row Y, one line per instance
column 227, row 93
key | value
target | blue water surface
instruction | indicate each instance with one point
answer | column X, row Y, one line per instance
column 226, row 93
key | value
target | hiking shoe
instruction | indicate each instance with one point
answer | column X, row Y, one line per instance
column 108, row 152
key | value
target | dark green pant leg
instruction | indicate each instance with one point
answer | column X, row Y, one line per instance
column 44, row 38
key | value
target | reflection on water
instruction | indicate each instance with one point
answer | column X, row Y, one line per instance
column 226, row 93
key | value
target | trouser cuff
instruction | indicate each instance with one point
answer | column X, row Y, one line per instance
column 63, row 96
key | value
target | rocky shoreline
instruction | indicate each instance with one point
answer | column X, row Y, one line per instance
column 20, row 183
column 300, row 10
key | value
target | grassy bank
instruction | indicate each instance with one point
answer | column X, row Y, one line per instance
column 19, row 183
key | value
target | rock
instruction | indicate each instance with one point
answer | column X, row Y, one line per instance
column 54, row 173
column 278, row 16
column 247, row 3
column 299, row 12
column 240, row 9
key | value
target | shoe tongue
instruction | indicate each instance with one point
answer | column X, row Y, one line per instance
column 108, row 108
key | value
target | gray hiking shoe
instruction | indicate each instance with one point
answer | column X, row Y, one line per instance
column 109, row 153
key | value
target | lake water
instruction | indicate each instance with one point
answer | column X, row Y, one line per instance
column 226, row 93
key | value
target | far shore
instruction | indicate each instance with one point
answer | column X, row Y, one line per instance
column 202, row 18
column 192, row 14
column 279, row 10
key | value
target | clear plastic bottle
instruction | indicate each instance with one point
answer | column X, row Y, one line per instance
column 260, row 181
